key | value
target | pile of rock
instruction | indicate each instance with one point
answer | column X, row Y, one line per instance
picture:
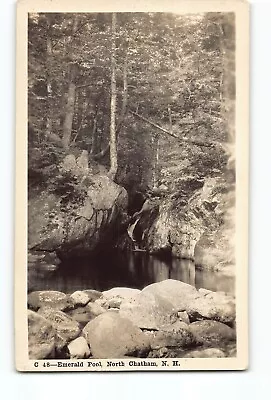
column 165, row 319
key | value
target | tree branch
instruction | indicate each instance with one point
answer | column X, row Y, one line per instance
column 197, row 143
column 153, row 124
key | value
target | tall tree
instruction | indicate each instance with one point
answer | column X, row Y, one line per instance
column 67, row 125
column 49, row 122
column 113, row 139
column 71, row 95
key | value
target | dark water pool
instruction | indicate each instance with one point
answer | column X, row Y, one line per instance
column 135, row 270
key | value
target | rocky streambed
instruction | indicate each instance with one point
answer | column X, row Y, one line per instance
column 165, row 319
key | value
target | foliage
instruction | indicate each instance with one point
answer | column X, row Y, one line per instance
column 68, row 188
column 180, row 76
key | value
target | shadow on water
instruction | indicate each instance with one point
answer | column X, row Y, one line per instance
column 135, row 270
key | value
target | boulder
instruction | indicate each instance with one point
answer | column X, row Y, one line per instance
column 114, row 297
column 79, row 298
column 92, row 294
column 148, row 311
column 78, row 348
column 44, row 298
column 212, row 332
column 66, row 328
column 85, row 314
column 41, row 337
column 212, row 306
column 211, row 352
column 95, row 309
column 178, row 293
column 173, row 335
column 111, row 336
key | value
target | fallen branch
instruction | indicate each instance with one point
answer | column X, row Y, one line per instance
column 153, row 124
column 195, row 142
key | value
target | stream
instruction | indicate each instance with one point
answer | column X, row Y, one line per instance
column 129, row 269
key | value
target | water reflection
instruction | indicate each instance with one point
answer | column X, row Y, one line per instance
column 134, row 270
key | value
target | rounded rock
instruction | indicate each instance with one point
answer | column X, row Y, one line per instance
column 41, row 337
column 207, row 332
column 111, row 336
column 148, row 311
column 80, row 298
column 78, row 348
column 66, row 328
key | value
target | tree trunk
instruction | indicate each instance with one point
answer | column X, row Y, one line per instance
column 113, row 140
column 125, row 93
column 105, row 151
column 67, row 126
column 49, row 123
column 94, row 144
column 71, row 97
column 156, row 171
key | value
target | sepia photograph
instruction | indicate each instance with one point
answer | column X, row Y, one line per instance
column 133, row 178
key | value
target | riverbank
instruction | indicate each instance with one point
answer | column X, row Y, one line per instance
column 165, row 319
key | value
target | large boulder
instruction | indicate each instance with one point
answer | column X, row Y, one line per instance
column 212, row 332
column 49, row 298
column 148, row 310
column 66, row 328
column 218, row 307
column 178, row 293
column 41, row 337
column 111, row 336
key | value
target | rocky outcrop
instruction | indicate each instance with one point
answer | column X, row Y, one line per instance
column 215, row 250
column 76, row 211
column 197, row 224
column 165, row 319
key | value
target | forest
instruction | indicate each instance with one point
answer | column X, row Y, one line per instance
column 131, row 149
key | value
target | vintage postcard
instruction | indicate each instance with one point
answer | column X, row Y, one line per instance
column 132, row 185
